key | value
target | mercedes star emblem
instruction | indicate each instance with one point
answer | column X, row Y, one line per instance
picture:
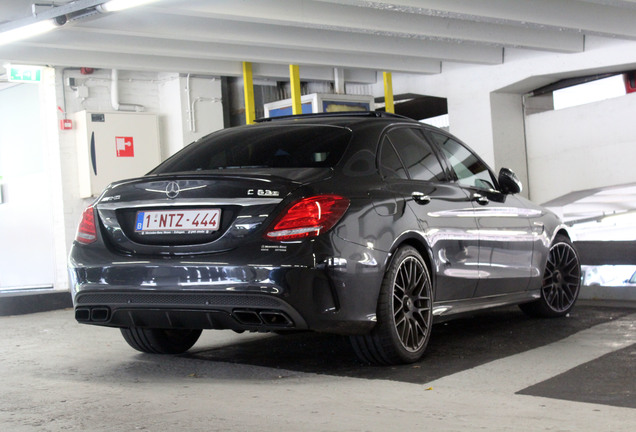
column 172, row 190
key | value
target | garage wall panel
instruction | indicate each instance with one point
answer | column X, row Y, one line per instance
column 583, row 147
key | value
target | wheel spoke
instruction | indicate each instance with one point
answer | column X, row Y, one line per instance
column 406, row 332
column 551, row 293
column 419, row 333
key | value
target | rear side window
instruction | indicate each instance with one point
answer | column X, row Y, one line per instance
column 417, row 154
column 271, row 146
column 390, row 164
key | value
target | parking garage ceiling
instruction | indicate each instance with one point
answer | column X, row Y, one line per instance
column 214, row 36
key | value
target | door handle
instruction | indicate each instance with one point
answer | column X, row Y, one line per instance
column 481, row 200
column 420, row 198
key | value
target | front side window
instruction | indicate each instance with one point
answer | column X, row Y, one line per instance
column 417, row 154
column 470, row 170
column 271, row 146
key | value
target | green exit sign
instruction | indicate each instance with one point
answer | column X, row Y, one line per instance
column 32, row 74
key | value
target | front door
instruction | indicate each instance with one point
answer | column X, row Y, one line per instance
column 505, row 234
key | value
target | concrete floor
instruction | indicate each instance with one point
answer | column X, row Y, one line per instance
column 498, row 371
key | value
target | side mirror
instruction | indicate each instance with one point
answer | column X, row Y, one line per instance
column 508, row 182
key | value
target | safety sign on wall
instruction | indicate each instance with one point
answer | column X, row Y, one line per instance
column 124, row 146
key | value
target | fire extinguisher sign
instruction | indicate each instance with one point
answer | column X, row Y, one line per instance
column 124, row 147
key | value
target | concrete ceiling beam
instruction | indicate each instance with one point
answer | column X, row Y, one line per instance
column 201, row 29
column 125, row 44
column 139, row 62
column 335, row 16
column 601, row 17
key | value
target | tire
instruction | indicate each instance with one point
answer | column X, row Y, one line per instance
column 404, row 313
column 561, row 282
column 160, row 341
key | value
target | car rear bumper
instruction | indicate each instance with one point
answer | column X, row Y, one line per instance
column 299, row 292
column 184, row 309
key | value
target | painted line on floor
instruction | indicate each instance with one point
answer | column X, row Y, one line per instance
column 512, row 374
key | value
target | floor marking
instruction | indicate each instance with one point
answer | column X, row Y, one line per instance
column 512, row 374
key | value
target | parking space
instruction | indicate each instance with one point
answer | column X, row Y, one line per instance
column 455, row 346
column 497, row 371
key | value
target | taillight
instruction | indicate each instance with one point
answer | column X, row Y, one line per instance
column 308, row 217
column 86, row 231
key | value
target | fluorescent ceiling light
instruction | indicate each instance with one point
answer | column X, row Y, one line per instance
column 26, row 31
column 117, row 5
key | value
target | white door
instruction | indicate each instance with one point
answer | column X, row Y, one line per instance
column 26, row 219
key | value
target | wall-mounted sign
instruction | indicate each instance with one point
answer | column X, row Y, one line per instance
column 124, row 147
column 24, row 73
column 66, row 124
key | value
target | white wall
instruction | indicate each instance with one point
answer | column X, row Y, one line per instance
column 582, row 147
column 188, row 119
column 171, row 124
column 202, row 112
column 26, row 219
column 159, row 93
column 508, row 128
column 488, row 124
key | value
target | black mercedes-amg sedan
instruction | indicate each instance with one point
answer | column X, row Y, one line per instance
column 369, row 225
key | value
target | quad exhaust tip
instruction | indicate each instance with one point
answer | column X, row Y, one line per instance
column 267, row 318
column 95, row 314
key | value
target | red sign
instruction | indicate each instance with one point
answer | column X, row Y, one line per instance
column 124, row 147
column 66, row 124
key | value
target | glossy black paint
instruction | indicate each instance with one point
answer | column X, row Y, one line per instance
column 483, row 247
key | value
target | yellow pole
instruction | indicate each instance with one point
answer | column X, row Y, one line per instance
column 388, row 93
column 294, row 80
column 248, row 89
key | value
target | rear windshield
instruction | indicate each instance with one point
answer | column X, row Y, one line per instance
column 271, row 146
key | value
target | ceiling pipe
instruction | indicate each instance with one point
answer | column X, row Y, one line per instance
column 190, row 105
column 114, row 95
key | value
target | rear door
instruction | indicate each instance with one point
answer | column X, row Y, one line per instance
column 412, row 169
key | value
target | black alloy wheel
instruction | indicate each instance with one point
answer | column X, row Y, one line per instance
column 404, row 313
column 561, row 281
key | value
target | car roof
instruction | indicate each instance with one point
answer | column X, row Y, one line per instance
column 337, row 118
column 368, row 114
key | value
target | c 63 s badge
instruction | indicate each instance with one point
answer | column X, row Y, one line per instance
column 263, row 192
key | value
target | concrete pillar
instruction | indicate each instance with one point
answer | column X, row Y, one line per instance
column 470, row 120
column 50, row 121
column 508, row 135
column 492, row 124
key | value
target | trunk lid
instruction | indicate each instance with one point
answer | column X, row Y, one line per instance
column 169, row 214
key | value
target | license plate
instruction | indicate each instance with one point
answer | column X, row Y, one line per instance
column 199, row 221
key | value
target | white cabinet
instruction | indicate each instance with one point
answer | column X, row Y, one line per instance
column 114, row 146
